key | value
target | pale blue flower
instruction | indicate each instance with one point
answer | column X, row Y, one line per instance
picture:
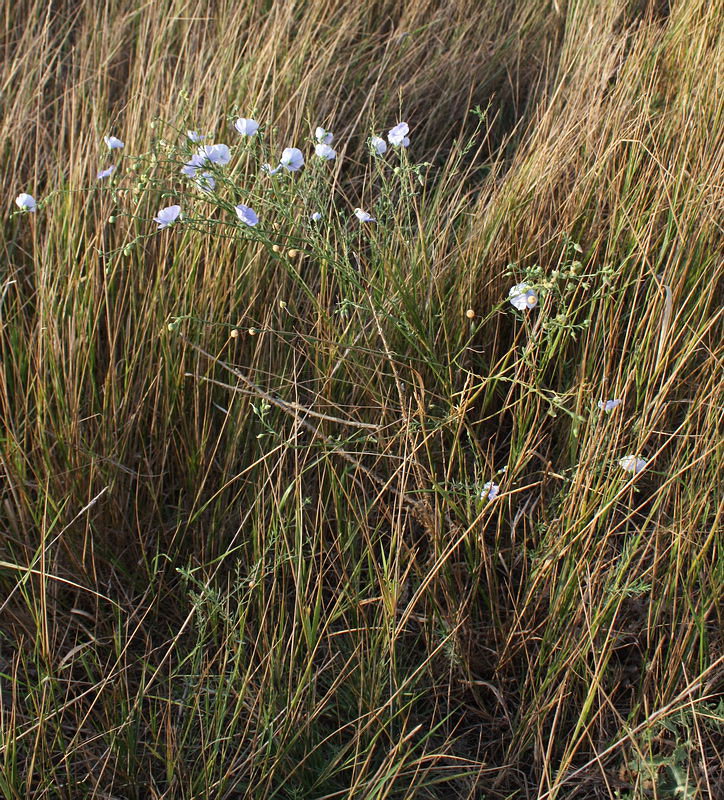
column 246, row 215
column 379, row 145
column 609, row 405
column 106, row 173
column 26, row 202
column 195, row 136
column 113, row 142
column 322, row 136
column 292, row 159
column 192, row 166
column 325, row 151
column 215, row 153
column 397, row 136
column 206, row 182
column 269, row 169
column 246, row 127
column 633, row 464
column 490, row 491
column 167, row 216
column 523, row 297
column 363, row 216
column 315, row 217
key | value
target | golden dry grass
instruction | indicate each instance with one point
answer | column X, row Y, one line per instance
column 259, row 565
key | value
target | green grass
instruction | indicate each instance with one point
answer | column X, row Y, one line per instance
column 243, row 548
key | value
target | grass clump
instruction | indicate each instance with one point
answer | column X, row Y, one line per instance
column 297, row 505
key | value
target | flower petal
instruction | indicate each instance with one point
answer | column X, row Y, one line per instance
column 246, row 215
column 246, row 126
column 26, row 202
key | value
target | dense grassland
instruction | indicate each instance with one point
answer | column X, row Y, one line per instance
column 245, row 545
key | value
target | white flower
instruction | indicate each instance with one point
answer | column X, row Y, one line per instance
column 363, row 216
column 523, row 297
column 195, row 136
column 246, row 215
column 609, row 405
column 246, row 127
column 397, row 136
column 113, row 142
column 215, row 153
column 191, row 167
column 379, row 144
column 325, row 151
column 315, row 217
column 167, row 216
column 106, row 173
column 206, row 182
column 490, row 490
column 26, row 202
column 292, row 159
column 633, row 464
column 322, row 136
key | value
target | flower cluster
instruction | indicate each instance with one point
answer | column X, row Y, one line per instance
column 204, row 167
column 323, row 147
column 396, row 136
column 112, row 143
column 208, row 157
column 199, row 167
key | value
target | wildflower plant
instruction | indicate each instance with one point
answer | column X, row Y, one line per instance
column 258, row 381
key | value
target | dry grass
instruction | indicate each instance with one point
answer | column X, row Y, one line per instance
column 259, row 565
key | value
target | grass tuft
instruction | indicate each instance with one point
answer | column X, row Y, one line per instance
column 309, row 509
